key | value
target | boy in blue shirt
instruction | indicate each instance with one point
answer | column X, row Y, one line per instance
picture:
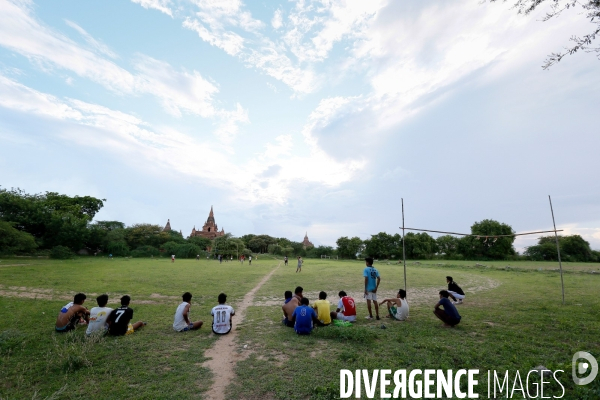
column 372, row 280
column 449, row 314
column 303, row 318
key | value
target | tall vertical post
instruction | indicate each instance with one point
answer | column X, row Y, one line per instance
column 562, row 282
column 403, row 247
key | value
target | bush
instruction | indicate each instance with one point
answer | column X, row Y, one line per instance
column 61, row 253
column 145, row 251
column 119, row 249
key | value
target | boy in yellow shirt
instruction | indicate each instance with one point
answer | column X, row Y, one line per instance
column 323, row 310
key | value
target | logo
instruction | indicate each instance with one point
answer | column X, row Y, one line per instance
column 582, row 367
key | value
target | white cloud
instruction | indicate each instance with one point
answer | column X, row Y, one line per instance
column 277, row 21
column 96, row 44
column 177, row 91
column 160, row 5
column 266, row 178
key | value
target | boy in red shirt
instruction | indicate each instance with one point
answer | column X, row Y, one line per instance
column 346, row 309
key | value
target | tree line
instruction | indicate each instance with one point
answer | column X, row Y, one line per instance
column 59, row 225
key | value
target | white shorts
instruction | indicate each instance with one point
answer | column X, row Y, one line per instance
column 458, row 296
column 371, row 296
column 349, row 318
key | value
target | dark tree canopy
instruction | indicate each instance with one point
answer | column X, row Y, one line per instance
column 590, row 8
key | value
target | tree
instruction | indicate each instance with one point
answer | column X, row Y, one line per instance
column 418, row 246
column 590, row 7
column 572, row 248
column 447, row 246
column 383, row 245
column 202, row 242
column 349, row 248
column 139, row 235
column 13, row 241
column 483, row 248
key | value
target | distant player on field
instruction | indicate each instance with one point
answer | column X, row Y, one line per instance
column 288, row 308
column 70, row 315
column 222, row 315
column 323, row 309
column 449, row 314
column 250, row 260
column 119, row 321
column 372, row 280
column 285, row 260
column 304, row 317
column 182, row 322
column 300, row 262
column 346, row 308
column 99, row 316
column 173, row 258
column 397, row 307
column 456, row 293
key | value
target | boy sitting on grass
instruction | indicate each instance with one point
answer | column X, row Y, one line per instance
column 346, row 308
column 303, row 318
column 99, row 316
column 119, row 321
column 397, row 307
column 288, row 308
column 222, row 316
column 182, row 322
column 323, row 309
column 70, row 315
column 449, row 314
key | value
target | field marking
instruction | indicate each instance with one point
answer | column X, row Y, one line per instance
column 222, row 356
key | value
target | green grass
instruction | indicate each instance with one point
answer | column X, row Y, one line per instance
column 512, row 319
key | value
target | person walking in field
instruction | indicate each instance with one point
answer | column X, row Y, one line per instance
column 285, row 261
column 119, row 320
column 173, row 258
column 71, row 314
column 448, row 314
column 397, row 307
column 456, row 293
column 99, row 316
column 300, row 262
column 222, row 315
column 182, row 321
column 346, row 308
column 304, row 318
column 323, row 309
column 250, row 260
column 288, row 308
column 372, row 280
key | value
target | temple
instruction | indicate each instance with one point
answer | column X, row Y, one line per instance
column 167, row 227
column 306, row 243
column 210, row 229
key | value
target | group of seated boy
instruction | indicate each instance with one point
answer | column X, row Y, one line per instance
column 117, row 322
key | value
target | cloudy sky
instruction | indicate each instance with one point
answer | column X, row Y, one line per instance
column 301, row 115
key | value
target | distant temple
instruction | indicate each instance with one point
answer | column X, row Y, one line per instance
column 306, row 243
column 167, row 227
column 210, row 229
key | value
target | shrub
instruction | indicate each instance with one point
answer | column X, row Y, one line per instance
column 61, row 253
column 145, row 251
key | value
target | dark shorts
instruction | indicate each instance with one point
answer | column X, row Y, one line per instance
column 287, row 323
column 70, row 326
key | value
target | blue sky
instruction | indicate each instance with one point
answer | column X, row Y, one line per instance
column 300, row 116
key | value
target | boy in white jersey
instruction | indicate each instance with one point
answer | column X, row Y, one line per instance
column 99, row 316
column 222, row 316
column 182, row 322
column 398, row 307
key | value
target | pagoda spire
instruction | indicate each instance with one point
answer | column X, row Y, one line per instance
column 167, row 226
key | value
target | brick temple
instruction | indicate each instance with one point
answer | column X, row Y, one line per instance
column 210, row 229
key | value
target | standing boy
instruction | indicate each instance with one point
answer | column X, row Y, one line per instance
column 372, row 280
column 299, row 267
column 99, row 316
column 119, row 320
column 182, row 322
column 285, row 261
column 249, row 260
column 449, row 314
column 222, row 315
column 172, row 258
column 398, row 307
column 69, row 315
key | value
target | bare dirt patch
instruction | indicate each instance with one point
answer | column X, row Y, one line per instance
column 224, row 355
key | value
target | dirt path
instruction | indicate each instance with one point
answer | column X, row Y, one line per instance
column 223, row 356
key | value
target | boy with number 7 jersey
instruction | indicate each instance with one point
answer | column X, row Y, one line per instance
column 119, row 320
column 222, row 316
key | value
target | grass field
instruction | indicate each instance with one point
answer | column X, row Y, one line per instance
column 512, row 320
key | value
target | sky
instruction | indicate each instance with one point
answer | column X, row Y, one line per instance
column 303, row 116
